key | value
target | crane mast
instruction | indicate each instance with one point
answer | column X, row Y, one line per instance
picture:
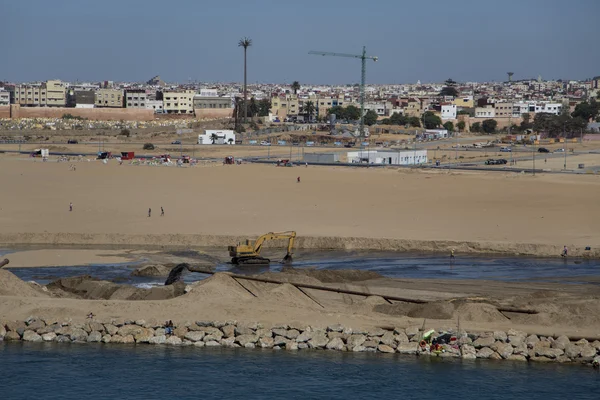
column 363, row 78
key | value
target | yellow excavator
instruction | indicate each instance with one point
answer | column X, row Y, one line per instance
column 249, row 253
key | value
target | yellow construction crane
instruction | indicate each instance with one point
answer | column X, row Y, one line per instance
column 249, row 253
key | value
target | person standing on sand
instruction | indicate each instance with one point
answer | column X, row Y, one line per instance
column 298, row 180
column 149, row 212
column 452, row 253
column 564, row 252
column 162, row 212
column 70, row 206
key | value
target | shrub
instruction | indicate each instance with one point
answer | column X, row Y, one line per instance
column 125, row 132
column 148, row 146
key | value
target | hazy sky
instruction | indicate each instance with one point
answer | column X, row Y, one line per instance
column 133, row 40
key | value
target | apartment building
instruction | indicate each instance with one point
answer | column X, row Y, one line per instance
column 156, row 105
column 448, row 111
column 109, row 98
column 52, row 93
column 179, row 102
column 323, row 104
column 285, row 106
column 485, row 112
column 4, row 97
column 136, row 98
column 503, row 110
column 414, row 108
column 56, row 93
column 201, row 101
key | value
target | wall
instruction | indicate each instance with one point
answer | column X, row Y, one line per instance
column 213, row 113
column 4, row 111
column 101, row 114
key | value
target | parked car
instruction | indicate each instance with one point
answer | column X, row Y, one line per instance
column 72, row 141
column 490, row 162
column 501, row 161
column 506, row 149
column 264, row 143
column 176, row 142
column 543, row 150
column 561, row 150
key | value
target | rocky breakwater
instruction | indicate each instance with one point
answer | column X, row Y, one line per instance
column 499, row 345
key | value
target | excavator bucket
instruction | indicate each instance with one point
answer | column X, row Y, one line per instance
column 287, row 259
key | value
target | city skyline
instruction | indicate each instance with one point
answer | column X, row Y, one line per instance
column 133, row 41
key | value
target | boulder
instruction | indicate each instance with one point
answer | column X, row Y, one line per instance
column 560, row 342
column 401, row 337
column 516, row 340
column 541, row 359
column 199, row 344
column 62, row 339
column 495, row 356
column 48, row 337
column 531, row 340
column 14, row 326
column 407, row 348
column 501, row 336
column 144, row 336
column 94, row 326
column 464, row 340
column 581, row 342
column 291, row 345
column 195, row 336
column 335, row 344
column 182, row 330
column 173, row 340
column 388, row 338
column 572, row 350
column 94, row 337
column 35, row 324
column 302, row 346
column 376, row 332
column 505, row 350
column 292, row 334
column 106, row 338
column 596, row 344
column 212, row 343
column 262, row 332
column 279, row 341
column 279, row 332
column 520, row 349
column 333, row 335
column 484, row 342
column 468, row 352
column 359, row 349
column 111, row 329
column 304, row 337
column 229, row 331
column 371, row 343
column 548, row 352
column 204, row 324
column 228, row 342
column 78, row 335
column 249, row 345
column 358, row 340
column 265, row 342
column 213, row 332
column 245, row 339
column 128, row 339
column 385, row 348
column 243, row 330
column 517, row 357
column 335, row 328
column 563, row 359
column 588, row 351
column 116, row 339
column 412, row 331
column 160, row 339
column 485, row 352
column 31, row 336
column 319, row 340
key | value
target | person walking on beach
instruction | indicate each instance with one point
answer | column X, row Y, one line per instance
column 70, row 206
column 162, row 212
column 452, row 253
column 149, row 212
column 298, row 180
column 564, row 252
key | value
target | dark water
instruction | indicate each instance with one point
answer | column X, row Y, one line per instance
column 72, row 371
column 390, row 264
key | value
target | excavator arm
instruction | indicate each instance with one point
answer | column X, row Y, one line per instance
column 290, row 235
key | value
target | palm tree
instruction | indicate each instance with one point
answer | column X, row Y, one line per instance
column 214, row 137
column 245, row 43
column 309, row 109
column 296, row 87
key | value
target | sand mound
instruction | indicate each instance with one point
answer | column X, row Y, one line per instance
column 153, row 270
column 11, row 285
column 289, row 295
column 220, row 285
column 479, row 312
column 290, row 278
column 432, row 310
column 334, row 276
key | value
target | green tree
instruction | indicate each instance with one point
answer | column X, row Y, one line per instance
column 461, row 126
column 309, row 109
column 449, row 91
column 586, row 110
column 398, row 119
column 296, row 87
column 430, row 120
column 526, row 124
column 245, row 43
column 449, row 126
column 370, row 118
column 214, row 138
column 264, row 106
column 339, row 111
column 352, row 113
column 253, row 108
column 415, row 122
column 476, row 127
column 489, row 125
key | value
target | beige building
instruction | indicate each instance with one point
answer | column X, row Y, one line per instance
column 179, row 102
column 52, row 93
column 414, row 108
column 4, row 97
column 212, row 102
column 284, row 107
column 503, row 110
column 109, row 98
column 136, row 98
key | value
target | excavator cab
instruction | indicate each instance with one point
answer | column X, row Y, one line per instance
column 249, row 252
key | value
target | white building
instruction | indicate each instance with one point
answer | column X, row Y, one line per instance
column 436, row 133
column 156, row 105
column 4, row 97
column 389, row 157
column 485, row 112
column 222, row 137
column 449, row 111
column 521, row 108
column 550, row 108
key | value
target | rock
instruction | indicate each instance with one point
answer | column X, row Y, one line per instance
column 212, row 343
column 548, row 352
column 357, row 340
column 173, row 340
column 302, row 346
column 94, row 337
column 495, row 356
column 195, row 336
column 2, row 331
column 505, row 350
column 204, row 324
column 199, row 344
column 243, row 330
column 563, row 359
column 262, row 332
column 228, row 342
column 336, row 328
column 560, row 342
column 144, row 336
column 250, row 345
column 244, row 339
column 541, row 359
column 280, row 326
column 159, row 331
column 464, row 340
column 485, row 352
column 588, row 351
column 160, row 339
column 407, row 348
column 385, row 348
column 516, row 340
column 304, row 337
column 319, row 340
column 412, row 331
column 333, row 335
column 78, row 335
column 62, row 339
column 359, row 349
column 106, row 338
column 13, row 326
column 116, row 339
column 500, row 335
column 517, row 357
column 531, row 340
column 581, row 342
column 292, row 334
column 388, row 339
column 279, row 332
column 213, row 332
column 377, row 332
column 371, row 343
column 36, row 324
column 128, row 339
column 335, row 344
column 31, row 336
column 468, row 352
column 279, row 341
column 118, row 322
column 514, row 332
column 111, row 329
column 520, row 349
column 48, row 337
column 484, row 342
column 181, row 331
column 572, row 350
column 291, row 345
column 401, row 337
column 228, row 331
column 265, row 342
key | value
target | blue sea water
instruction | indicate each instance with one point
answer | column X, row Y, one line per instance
column 81, row 371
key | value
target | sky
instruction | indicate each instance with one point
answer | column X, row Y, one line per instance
column 183, row 40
